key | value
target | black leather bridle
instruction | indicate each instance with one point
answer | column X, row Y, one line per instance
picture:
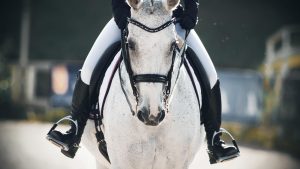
column 152, row 78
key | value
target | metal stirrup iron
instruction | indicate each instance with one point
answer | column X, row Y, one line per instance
column 69, row 118
column 222, row 130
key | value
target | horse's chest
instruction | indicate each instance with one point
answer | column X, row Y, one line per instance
column 131, row 143
column 160, row 150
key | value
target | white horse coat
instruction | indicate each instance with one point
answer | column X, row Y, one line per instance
column 131, row 144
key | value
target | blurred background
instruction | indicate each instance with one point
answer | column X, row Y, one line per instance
column 255, row 45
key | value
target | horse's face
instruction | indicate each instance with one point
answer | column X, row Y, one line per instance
column 151, row 53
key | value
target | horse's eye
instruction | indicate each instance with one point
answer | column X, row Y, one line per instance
column 131, row 44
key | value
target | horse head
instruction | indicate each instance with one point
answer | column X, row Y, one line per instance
column 151, row 45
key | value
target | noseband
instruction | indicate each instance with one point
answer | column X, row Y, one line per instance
column 150, row 78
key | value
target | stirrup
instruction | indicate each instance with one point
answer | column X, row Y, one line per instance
column 56, row 142
column 214, row 158
column 222, row 130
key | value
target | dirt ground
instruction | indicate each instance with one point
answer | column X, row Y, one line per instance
column 23, row 146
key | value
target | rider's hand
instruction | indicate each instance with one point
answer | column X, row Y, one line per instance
column 178, row 12
column 189, row 17
column 187, row 21
column 121, row 12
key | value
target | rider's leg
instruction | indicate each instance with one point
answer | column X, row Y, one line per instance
column 80, row 102
column 212, row 117
column 109, row 35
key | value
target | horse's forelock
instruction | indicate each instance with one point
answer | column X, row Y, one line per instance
column 153, row 7
column 151, row 13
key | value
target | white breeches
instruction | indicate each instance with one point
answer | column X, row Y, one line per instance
column 111, row 34
column 108, row 36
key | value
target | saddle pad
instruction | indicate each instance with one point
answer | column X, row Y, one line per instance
column 195, row 81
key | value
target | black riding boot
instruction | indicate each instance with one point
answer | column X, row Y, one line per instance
column 217, row 150
column 69, row 142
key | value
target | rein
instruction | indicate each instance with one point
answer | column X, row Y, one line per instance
column 151, row 78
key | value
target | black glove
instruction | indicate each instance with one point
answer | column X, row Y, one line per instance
column 189, row 17
column 121, row 11
column 178, row 12
column 187, row 21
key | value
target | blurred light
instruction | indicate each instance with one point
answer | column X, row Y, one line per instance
column 60, row 80
column 4, row 85
column 225, row 104
column 252, row 107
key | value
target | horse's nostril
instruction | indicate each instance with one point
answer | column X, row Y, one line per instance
column 161, row 115
column 140, row 116
column 143, row 115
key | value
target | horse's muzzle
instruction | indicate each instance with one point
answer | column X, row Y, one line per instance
column 150, row 120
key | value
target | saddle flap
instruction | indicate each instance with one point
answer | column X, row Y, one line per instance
column 100, row 70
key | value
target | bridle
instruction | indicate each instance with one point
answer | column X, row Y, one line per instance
column 152, row 78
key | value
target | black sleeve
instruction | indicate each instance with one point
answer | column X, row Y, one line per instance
column 191, row 7
column 121, row 11
column 119, row 5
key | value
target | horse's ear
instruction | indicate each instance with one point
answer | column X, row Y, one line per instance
column 135, row 4
column 170, row 4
